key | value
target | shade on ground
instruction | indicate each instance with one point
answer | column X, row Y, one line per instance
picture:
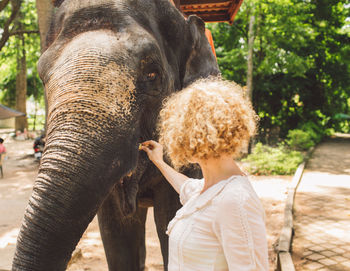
column 322, row 210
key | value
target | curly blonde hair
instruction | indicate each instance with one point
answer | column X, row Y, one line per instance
column 209, row 118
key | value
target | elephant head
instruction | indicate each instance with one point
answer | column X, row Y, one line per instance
column 107, row 68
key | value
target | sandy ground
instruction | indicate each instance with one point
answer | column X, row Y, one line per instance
column 20, row 170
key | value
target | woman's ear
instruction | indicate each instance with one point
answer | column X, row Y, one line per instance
column 201, row 61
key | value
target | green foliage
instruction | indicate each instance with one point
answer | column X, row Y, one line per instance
column 266, row 160
column 315, row 132
column 299, row 140
column 8, row 54
column 36, row 113
column 301, row 62
column 38, row 120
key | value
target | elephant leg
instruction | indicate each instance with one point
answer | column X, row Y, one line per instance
column 123, row 237
column 166, row 203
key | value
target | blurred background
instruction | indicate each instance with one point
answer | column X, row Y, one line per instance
column 292, row 58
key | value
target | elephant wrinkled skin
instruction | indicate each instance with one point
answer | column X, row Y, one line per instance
column 107, row 68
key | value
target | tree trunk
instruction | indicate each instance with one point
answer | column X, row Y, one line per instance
column 44, row 10
column 35, row 103
column 21, row 85
column 3, row 4
column 6, row 31
column 251, row 38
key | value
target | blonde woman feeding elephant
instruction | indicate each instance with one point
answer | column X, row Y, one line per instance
column 221, row 224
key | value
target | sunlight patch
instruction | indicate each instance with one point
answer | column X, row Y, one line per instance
column 9, row 238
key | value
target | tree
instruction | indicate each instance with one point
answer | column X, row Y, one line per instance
column 21, row 79
column 251, row 38
column 15, row 7
column 301, row 62
column 44, row 9
column 18, row 58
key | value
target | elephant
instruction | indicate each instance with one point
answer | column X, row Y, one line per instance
column 107, row 68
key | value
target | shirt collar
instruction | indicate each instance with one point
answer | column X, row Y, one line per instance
column 199, row 201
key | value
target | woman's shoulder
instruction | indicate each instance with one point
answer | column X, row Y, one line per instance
column 190, row 188
column 238, row 191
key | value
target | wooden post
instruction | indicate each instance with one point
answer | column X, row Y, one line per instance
column 176, row 3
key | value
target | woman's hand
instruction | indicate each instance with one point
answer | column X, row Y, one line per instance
column 154, row 151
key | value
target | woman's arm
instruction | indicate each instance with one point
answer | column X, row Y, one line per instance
column 154, row 151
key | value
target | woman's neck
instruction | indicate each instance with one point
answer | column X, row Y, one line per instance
column 217, row 169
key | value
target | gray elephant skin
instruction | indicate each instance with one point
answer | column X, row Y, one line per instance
column 107, row 68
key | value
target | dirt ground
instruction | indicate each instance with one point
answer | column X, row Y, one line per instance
column 20, row 170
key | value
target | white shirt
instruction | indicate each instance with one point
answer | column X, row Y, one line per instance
column 221, row 229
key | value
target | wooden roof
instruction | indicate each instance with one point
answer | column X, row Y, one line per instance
column 211, row 10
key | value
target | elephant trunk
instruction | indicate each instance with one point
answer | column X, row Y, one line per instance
column 91, row 144
column 77, row 172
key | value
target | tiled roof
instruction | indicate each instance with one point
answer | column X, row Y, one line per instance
column 6, row 112
column 211, row 10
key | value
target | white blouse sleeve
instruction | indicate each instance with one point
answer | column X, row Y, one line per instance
column 189, row 189
column 240, row 228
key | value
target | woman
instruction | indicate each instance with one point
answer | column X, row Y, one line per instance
column 221, row 224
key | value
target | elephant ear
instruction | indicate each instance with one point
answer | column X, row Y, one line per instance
column 57, row 3
column 201, row 62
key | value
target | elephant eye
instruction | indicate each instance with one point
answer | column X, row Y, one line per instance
column 151, row 76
